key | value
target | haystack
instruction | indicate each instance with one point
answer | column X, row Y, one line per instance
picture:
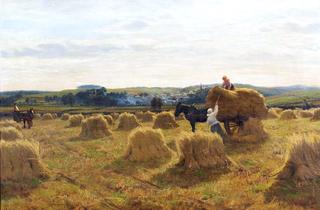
column 10, row 134
column 128, row 121
column 272, row 114
column 65, row 116
column 139, row 114
column 146, row 116
column 47, row 116
column 305, row 114
column 75, row 120
column 316, row 115
column 95, row 127
column 37, row 116
column 165, row 120
column 109, row 119
column 10, row 123
column 288, row 115
column 278, row 110
column 115, row 115
column 180, row 117
column 20, row 160
column 303, row 160
column 146, row 144
column 252, row 131
column 242, row 102
column 201, row 150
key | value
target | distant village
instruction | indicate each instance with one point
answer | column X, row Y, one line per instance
column 102, row 97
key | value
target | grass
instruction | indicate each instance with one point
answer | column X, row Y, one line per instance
column 295, row 98
column 99, row 178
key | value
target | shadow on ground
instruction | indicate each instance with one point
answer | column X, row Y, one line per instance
column 180, row 177
column 302, row 194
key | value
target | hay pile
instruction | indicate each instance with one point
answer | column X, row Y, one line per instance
column 303, row 161
column 201, row 150
column 20, row 160
column 316, row 115
column 165, row 120
column 37, row 116
column 75, row 120
column 47, row 116
column 128, row 121
column 252, row 131
column 10, row 133
column 278, row 110
column 10, row 123
column 115, row 115
column 139, row 114
column 95, row 127
column 65, row 116
column 304, row 114
column 109, row 119
column 146, row 144
column 146, row 116
column 240, row 102
column 288, row 115
column 272, row 114
column 180, row 117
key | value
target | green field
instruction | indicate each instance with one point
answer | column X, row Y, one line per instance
column 295, row 98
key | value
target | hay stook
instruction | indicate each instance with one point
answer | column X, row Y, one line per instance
column 165, row 120
column 145, row 144
column 201, row 150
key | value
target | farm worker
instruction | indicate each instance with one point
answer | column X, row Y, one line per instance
column 227, row 84
column 214, row 124
column 16, row 112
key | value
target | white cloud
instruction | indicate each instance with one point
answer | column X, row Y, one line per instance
column 120, row 43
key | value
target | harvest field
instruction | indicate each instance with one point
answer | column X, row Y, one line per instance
column 93, row 174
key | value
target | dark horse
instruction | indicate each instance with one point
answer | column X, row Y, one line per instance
column 26, row 117
column 192, row 114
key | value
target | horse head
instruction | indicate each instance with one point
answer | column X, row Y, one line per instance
column 178, row 109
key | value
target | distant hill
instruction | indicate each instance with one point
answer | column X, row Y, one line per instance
column 22, row 92
column 89, row 87
column 275, row 96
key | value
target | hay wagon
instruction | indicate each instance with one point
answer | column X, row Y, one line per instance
column 232, row 125
column 237, row 106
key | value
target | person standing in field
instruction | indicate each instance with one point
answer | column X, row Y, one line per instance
column 213, row 122
column 227, row 84
column 16, row 113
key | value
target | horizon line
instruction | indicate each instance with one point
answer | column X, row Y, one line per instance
column 17, row 90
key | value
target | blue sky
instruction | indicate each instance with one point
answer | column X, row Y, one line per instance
column 54, row 45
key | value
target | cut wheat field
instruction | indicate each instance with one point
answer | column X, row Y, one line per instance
column 93, row 173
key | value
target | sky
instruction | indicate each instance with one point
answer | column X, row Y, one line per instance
column 55, row 44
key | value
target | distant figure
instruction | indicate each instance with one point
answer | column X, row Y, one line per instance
column 214, row 124
column 227, row 84
column 156, row 104
column 16, row 113
column 306, row 105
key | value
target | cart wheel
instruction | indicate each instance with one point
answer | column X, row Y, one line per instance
column 232, row 127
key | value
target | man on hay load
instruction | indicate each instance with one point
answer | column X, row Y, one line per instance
column 227, row 84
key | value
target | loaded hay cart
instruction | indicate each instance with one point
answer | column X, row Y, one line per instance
column 236, row 106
